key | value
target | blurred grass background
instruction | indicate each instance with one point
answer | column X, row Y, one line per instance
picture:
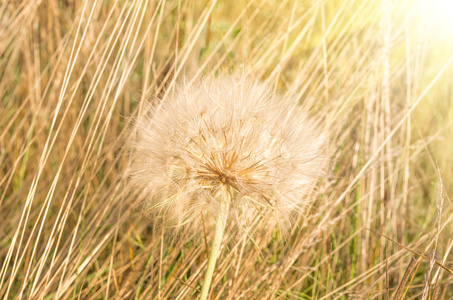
column 376, row 74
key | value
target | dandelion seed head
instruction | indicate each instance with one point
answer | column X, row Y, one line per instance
column 231, row 134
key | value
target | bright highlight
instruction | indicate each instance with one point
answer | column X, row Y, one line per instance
column 440, row 11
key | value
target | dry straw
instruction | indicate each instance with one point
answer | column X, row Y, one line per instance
column 226, row 146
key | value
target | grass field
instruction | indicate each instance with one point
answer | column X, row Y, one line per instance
column 377, row 76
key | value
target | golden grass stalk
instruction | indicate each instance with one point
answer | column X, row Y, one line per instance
column 71, row 72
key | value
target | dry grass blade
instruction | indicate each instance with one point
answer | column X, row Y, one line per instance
column 415, row 252
column 185, row 283
column 76, row 75
column 409, row 269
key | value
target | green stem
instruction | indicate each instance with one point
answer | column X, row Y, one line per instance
column 219, row 229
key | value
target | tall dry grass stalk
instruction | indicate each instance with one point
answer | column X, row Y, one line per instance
column 75, row 74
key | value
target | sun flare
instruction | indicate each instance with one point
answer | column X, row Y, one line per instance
column 439, row 11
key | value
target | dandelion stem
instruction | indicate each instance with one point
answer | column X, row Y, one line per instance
column 219, row 229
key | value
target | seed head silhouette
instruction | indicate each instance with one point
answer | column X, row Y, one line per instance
column 226, row 138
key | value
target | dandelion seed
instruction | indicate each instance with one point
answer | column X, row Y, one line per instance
column 231, row 132
column 224, row 146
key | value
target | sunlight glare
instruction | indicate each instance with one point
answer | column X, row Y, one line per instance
column 440, row 11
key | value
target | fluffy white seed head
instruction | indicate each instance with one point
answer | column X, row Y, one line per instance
column 226, row 134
